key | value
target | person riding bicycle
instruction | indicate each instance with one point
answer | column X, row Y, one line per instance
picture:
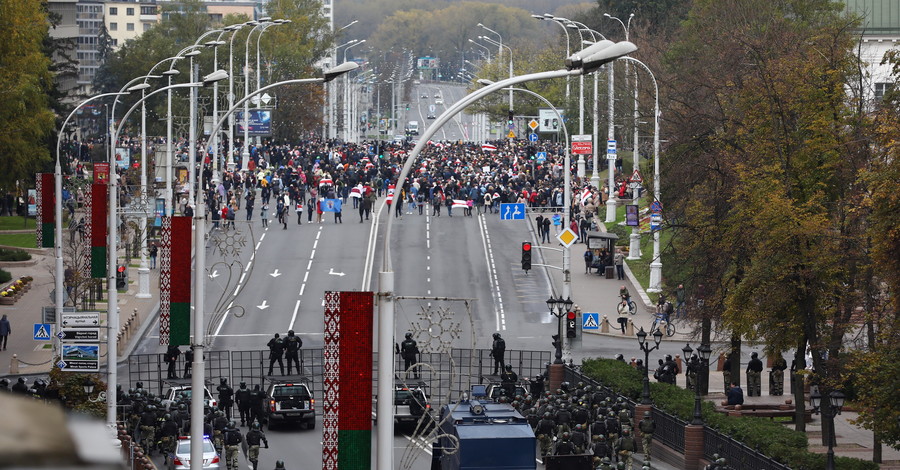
column 623, row 293
column 664, row 308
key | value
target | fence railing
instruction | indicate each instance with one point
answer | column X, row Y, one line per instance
column 669, row 430
column 737, row 454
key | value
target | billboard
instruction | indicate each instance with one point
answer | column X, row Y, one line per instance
column 425, row 63
column 260, row 122
column 123, row 157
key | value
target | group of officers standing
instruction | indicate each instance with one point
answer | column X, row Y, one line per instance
column 158, row 426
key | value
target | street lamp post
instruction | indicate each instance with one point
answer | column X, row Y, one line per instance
column 501, row 46
column 697, row 363
column 346, row 104
column 332, row 94
column 642, row 342
column 549, row 17
column 836, row 401
column 230, row 163
column 245, row 153
column 486, row 49
column 560, row 308
column 585, row 61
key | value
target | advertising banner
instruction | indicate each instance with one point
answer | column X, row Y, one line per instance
column 260, row 122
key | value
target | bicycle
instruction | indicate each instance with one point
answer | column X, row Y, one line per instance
column 626, row 303
column 662, row 318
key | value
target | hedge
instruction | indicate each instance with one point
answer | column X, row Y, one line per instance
column 779, row 442
column 5, row 276
column 14, row 255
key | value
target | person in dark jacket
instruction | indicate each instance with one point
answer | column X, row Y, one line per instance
column 276, row 352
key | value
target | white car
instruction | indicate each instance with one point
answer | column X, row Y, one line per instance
column 176, row 391
column 439, row 101
column 182, row 458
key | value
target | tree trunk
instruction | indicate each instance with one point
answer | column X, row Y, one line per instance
column 735, row 358
column 705, row 333
column 797, row 387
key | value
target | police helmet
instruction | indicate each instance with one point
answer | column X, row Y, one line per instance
column 243, row 384
column 754, row 355
column 279, row 464
column 508, row 367
column 546, row 415
column 277, row 335
column 565, row 436
column 167, row 416
column 290, row 332
column 646, row 414
column 408, row 335
column 231, row 424
column 223, row 380
column 496, row 335
column 4, row 383
column 255, row 425
column 668, row 357
column 21, row 380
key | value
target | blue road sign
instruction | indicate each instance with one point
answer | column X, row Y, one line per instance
column 512, row 211
column 541, row 157
column 590, row 321
column 532, row 137
column 42, row 332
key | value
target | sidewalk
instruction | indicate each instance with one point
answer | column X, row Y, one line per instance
column 26, row 357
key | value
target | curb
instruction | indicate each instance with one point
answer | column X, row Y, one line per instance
column 135, row 339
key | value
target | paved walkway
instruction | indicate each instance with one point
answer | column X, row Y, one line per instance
column 593, row 293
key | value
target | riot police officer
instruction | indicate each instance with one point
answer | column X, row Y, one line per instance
column 226, row 397
column 257, row 397
column 253, row 438
column 276, row 351
column 754, row 371
column 168, row 433
column 498, row 349
column 409, row 351
column 293, row 343
column 242, row 398
column 508, row 379
column 647, row 427
column 233, row 441
column 148, row 428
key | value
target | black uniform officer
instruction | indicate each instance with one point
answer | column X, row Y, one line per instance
column 226, row 397
column 172, row 354
column 257, row 397
column 276, row 351
column 253, row 438
column 242, row 398
column 498, row 349
column 508, row 379
column 293, row 343
column 409, row 351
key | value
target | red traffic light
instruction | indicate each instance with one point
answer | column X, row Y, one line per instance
column 121, row 269
column 526, row 246
column 570, row 315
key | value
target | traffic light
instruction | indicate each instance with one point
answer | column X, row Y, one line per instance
column 121, row 277
column 571, row 327
column 526, row 255
column 510, row 117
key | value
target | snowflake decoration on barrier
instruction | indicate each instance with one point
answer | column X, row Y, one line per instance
column 229, row 243
column 435, row 329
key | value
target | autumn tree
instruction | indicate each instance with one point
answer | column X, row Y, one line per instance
column 765, row 132
column 26, row 120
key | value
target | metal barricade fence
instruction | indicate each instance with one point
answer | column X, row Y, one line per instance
column 737, row 454
column 447, row 376
column 669, row 430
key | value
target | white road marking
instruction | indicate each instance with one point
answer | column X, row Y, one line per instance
column 247, row 268
column 296, row 309
column 302, row 288
column 257, row 244
column 492, row 273
column 315, row 244
column 262, row 237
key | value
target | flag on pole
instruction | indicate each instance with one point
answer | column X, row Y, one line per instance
column 100, row 225
column 488, row 148
column 46, row 210
column 356, row 192
column 330, row 205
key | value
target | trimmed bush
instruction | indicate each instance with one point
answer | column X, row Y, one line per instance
column 14, row 255
column 5, row 276
column 772, row 439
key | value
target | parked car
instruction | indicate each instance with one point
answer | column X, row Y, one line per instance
column 291, row 402
column 410, row 403
column 175, row 392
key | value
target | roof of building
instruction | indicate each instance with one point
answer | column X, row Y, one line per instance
column 880, row 17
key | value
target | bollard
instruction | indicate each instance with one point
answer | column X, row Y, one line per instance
column 629, row 330
column 604, row 325
column 14, row 364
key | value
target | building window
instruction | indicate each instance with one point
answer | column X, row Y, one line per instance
column 882, row 89
column 113, row 11
column 130, row 27
column 114, row 26
column 129, row 11
column 148, row 11
column 147, row 27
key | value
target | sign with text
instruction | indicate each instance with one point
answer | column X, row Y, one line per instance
column 582, row 144
column 101, row 172
column 631, row 215
column 80, row 357
column 260, row 122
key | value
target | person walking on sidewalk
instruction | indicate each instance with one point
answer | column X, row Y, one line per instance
column 154, row 251
column 620, row 265
column 5, row 331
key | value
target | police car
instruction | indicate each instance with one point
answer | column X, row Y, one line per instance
column 410, row 403
column 182, row 458
column 175, row 392
column 291, row 402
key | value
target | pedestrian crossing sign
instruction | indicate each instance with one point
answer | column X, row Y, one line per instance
column 590, row 321
column 42, row 332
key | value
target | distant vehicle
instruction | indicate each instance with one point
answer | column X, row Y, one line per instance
column 412, row 128
column 182, row 458
column 437, row 95
column 176, row 391
column 291, row 402
column 399, row 139
column 410, row 403
column 424, row 96
column 431, row 116
column 439, row 101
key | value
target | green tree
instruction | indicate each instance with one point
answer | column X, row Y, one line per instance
column 26, row 119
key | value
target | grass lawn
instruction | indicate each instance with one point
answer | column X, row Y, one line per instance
column 16, row 223
column 21, row 240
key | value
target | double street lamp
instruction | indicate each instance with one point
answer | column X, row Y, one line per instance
column 836, row 400
column 560, row 308
column 642, row 342
column 697, row 363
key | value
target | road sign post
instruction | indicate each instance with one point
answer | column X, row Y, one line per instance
column 590, row 321
column 42, row 332
column 512, row 211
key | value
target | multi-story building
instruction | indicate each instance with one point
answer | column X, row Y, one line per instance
column 89, row 17
column 128, row 20
column 66, row 12
column 879, row 32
